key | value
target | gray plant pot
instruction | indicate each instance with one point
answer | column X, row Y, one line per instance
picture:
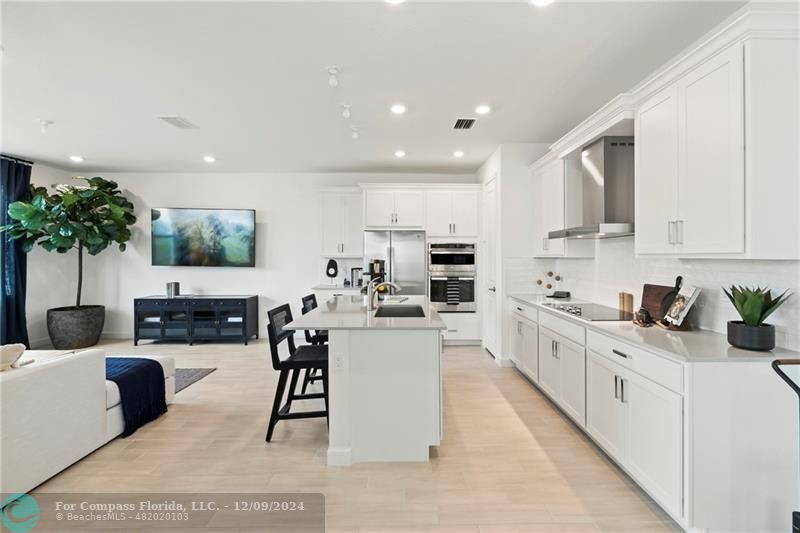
column 75, row 327
column 761, row 338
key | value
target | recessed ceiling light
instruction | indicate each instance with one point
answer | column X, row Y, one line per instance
column 398, row 109
column 346, row 111
column 482, row 109
column 541, row 3
column 333, row 76
column 395, row 2
column 399, row 154
column 209, row 158
column 76, row 159
column 355, row 135
column 458, row 154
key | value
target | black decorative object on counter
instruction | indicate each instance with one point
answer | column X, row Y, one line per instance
column 754, row 306
column 332, row 270
column 761, row 338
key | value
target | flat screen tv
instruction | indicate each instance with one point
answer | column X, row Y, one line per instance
column 204, row 237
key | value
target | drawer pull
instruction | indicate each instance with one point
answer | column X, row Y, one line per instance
column 520, row 309
column 626, row 356
column 616, row 387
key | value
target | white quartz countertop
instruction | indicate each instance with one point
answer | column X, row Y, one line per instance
column 684, row 346
column 350, row 312
column 335, row 287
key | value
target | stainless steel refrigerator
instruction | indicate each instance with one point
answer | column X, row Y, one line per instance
column 404, row 255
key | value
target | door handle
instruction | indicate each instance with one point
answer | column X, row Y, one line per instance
column 622, row 390
column 616, row 387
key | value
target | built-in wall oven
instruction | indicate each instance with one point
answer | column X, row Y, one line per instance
column 451, row 275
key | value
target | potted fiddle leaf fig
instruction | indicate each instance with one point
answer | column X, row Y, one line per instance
column 86, row 218
column 754, row 306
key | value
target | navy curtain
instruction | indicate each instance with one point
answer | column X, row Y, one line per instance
column 15, row 179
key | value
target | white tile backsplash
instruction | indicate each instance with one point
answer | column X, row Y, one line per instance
column 615, row 269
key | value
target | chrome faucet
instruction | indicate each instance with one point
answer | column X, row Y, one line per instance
column 373, row 288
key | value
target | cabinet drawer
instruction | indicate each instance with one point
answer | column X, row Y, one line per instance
column 654, row 367
column 566, row 329
column 525, row 310
column 461, row 326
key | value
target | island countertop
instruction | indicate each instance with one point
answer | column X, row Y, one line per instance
column 350, row 312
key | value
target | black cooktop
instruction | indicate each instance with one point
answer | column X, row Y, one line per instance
column 591, row 312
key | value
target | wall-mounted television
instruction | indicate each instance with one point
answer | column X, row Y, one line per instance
column 203, row 237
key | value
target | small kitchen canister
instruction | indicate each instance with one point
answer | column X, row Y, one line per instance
column 173, row 289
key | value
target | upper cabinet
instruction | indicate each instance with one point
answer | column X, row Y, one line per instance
column 387, row 208
column 690, row 179
column 452, row 212
column 555, row 209
column 342, row 225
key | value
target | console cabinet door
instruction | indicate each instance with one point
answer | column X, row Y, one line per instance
column 549, row 367
column 655, row 439
column 606, row 417
column 530, row 350
column 552, row 206
column 711, row 182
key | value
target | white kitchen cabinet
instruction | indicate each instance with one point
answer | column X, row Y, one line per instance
column 605, row 414
column 656, row 190
column 452, row 213
column 462, row 327
column 655, row 439
column 386, row 208
column 342, row 230
column 690, row 161
column 525, row 346
column 549, row 369
column 572, row 360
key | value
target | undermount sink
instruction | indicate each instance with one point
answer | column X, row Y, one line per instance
column 400, row 311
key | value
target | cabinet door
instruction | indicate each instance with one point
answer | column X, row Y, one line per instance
column 378, row 208
column 711, row 179
column 572, row 359
column 332, row 234
column 438, row 221
column 465, row 213
column 657, row 173
column 352, row 225
column 529, row 353
column 549, row 368
column 606, row 418
column 552, row 207
column 539, row 247
column 409, row 209
column 655, row 439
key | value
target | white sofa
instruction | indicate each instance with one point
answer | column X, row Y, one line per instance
column 56, row 411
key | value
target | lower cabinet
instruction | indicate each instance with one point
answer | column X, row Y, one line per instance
column 640, row 424
column 525, row 346
column 461, row 326
column 562, row 373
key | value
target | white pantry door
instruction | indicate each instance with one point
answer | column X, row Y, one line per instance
column 492, row 311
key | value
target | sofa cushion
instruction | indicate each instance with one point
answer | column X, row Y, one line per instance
column 112, row 394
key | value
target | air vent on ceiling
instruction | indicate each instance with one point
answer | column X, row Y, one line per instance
column 178, row 122
column 464, row 123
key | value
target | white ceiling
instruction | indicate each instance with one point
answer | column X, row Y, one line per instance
column 253, row 77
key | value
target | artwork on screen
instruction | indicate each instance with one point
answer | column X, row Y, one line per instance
column 204, row 237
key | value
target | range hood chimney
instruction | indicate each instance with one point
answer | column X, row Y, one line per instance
column 606, row 191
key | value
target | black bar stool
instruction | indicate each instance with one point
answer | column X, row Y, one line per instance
column 309, row 357
column 319, row 336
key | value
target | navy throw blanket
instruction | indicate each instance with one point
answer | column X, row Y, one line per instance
column 141, row 390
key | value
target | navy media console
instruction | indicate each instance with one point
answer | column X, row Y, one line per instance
column 195, row 318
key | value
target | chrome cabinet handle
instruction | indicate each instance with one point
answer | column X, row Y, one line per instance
column 670, row 233
column 492, row 289
column 679, row 231
column 519, row 309
column 545, row 244
column 557, row 357
column 621, row 354
column 622, row 390
column 616, row 387
column 454, row 227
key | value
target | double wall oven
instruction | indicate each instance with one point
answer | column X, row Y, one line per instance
column 451, row 275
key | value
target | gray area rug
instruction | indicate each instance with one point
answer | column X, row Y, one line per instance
column 187, row 376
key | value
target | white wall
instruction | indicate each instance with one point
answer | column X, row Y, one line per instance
column 288, row 233
column 615, row 269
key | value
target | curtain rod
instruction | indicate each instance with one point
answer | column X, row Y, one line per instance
column 16, row 159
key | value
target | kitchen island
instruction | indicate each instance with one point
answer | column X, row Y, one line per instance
column 385, row 380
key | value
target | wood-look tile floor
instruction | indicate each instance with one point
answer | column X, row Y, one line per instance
column 509, row 461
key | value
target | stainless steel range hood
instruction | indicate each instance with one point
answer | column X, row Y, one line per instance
column 606, row 191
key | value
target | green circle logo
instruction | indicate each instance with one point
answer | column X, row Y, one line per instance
column 20, row 513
